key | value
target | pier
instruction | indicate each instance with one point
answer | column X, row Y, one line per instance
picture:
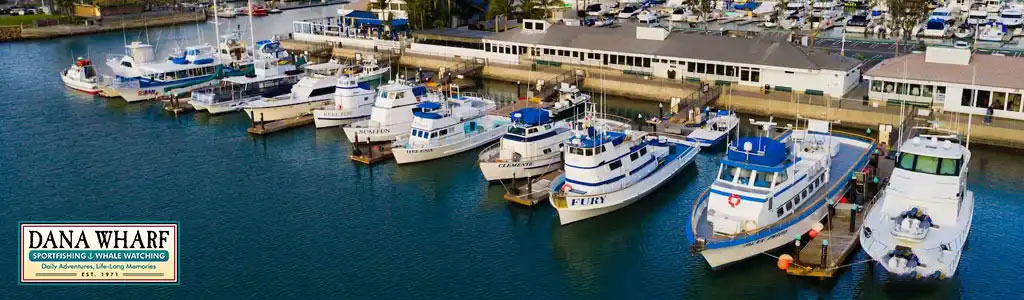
column 263, row 128
column 371, row 153
column 533, row 192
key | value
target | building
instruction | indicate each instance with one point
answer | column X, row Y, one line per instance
column 758, row 62
column 950, row 79
column 105, row 8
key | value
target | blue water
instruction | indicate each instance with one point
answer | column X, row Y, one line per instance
column 289, row 216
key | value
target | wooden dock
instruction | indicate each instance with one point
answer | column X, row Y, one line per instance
column 533, row 192
column 262, row 128
column 677, row 123
column 520, row 104
column 371, row 153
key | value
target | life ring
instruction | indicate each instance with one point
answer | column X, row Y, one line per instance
column 566, row 187
column 734, row 200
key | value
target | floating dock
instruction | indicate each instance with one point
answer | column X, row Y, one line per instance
column 371, row 153
column 262, row 128
column 533, row 192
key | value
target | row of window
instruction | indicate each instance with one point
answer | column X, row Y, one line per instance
column 202, row 71
column 632, row 157
column 425, row 134
column 586, row 151
column 744, row 176
column 910, row 89
column 929, row 164
column 984, row 99
column 807, row 192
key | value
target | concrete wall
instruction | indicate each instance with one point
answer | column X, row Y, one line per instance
column 10, row 33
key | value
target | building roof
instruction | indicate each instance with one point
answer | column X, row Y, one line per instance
column 766, row 51
column 453, row 34
column 983, row 70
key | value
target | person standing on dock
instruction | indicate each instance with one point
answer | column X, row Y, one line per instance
column 988, row 114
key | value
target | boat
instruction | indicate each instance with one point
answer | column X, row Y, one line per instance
column 272, row 78
column 772, row 187
column 274, row 11
column 600, row 9
column 1012, row 17
column 454, row 125
column 256, row 9
column 825, row 10
column 391, row 115
column 601, row 21
column 227, row 12
column 628, row 12
column 140, row 76
column 679, row 14
column 531, row 147
column 713, row 128
column 765, row 9
column 315, row 90
column 977, row 15
column 946, row 14
column 858, row 23
column 81, row 76
column 992, row 32
column 353, row 101
column 919, row 223
column 793, row 22
column 367, row 71
column 608, row 167
column 964, row 31
column 795, row 8
column 936, row 27
column 992, row 8
column 570, row 102
column 648, row 16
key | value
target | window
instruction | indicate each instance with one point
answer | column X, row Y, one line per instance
column 876, row 86
column 647, row 62
column 982, row 99
column 322, row 91
column 575, row 54
column 433, row 134
column 691, row 68
column 629, row 60
column 546, row 151
column 780, row 178
column 730, row 71
column 764, row 180
column 728, row 173
column 633, row 156
column 901, row 88
column 643, row 151
column 966, row 98
column 540, row 26
column 615, row 165
column 744, row 75
column 709, row 69
column 906, row 161
column 927, row 91
column 927, row 164
column 915, row 89
column 755, row 76
column 940, row 90
column 789, row 206
column 1013, row 102
column 700, row 68
column 444, row 131
column 720, row 69
column 998, row 100
column 588, row 152
column 744, row 177
column 949, row 166
column 778, row 213
column 529, row 25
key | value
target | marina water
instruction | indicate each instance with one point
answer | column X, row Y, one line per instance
column 289, row 216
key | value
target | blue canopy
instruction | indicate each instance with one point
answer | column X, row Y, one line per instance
column 361, row 14
column 426, row 115
column 365, row 86
column 419, row 91
column 429, row 105
column 774, row 152
column 399, row 22
column 530, row 116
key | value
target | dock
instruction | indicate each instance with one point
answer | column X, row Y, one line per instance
column 549, row 89
column 520, row 104
column 677, row 123
column 371, row 153
column 823, row 256
column 533, row 192
column 263, row 128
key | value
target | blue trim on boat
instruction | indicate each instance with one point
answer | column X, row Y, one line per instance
column 332, row 118
column 783, row 190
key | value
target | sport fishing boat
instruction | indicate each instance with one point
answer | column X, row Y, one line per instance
column 272, row 78
column 81, row 76
column 531, row 147
column 449, row 127
column 391, row 115
column 313, row 91
column 769, row 189
column 367, row 71
column 992, row 32
column 139, row 76
column 713, row 127
column 920, row 222
column 608, row 167
column 353, row 101
column 570, row 103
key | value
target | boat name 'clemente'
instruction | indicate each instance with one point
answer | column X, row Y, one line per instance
column 586, row 201
column 515, row 165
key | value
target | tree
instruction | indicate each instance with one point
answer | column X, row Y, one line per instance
column 498, row 8
column 703, row 8
column 906, row 14
column 531, row 9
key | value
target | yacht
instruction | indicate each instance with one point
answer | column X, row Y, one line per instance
column 713, row 128
column 391, row 115
column 140, row 76
column 795, row 8
column 315, row 90
column 992, row 8
column 81, row 76
column 946, row 14
column 1012, row 17
column 449, row 127
column 992, row 32
column 599, row 9
column 531, row 147
column 608, row 167
column 648, row 16
column 679, row 14
column 920, row 222
column 936, row 27
column 353, row 101
column 272, row 78
column 826, row 10
column 227, row 12
column 770, row 188
column 368, row 71
column 765, row 9
column 977, row 15
column 964, row 31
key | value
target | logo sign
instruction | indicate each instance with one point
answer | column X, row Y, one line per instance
column 94, row 253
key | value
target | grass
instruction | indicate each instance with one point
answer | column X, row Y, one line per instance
column 26, row 19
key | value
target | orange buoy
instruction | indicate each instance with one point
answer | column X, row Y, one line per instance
column 784, row 261
column 813, row 233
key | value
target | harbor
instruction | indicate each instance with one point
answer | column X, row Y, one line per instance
column 414, row 168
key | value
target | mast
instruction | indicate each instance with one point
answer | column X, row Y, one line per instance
column 216, row 31
column 970, row 113
column 252, row 33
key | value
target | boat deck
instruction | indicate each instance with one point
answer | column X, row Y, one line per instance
column 850, row 159
column 534, row 192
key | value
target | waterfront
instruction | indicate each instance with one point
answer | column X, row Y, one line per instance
column 289, row 216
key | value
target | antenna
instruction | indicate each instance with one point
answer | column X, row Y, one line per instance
column 216, row 31
column 252, row 30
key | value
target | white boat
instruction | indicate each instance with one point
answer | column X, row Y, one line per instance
column 1012, row 17
column 793, row 22
column 713, row 128
column 946, row 14
column 992, row 32
column 227, row 12
column 81, row 76
column 992, row 8
column 628, row 12
column 797, row 8
column 977, row 15
column 858, row 23
column 367, row 71
column 937, row 28
column 765, row 9
column 826, row 10
column 391, row 115
column 920, row 222
column 353, row 101
column 139, row 76
column 648, row 16
column 964, row 31
column 607, row 169
column 679, row 14
column 600, row 9
column 602, row 21
column 449, row 127
column 769, row 189
column 531, row 147
column 271, row 78
column 315, row 90
column 570, row 103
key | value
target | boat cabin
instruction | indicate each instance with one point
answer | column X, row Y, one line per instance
column 531, row 134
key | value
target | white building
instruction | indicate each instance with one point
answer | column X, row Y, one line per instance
column 754, row 62
column 952, row 80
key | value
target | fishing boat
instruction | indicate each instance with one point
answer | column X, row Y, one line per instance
column 315, row 90
column 977, row 15
column 1012, row 17
column 367, row 70
column 81, row 76
column 140, row 76
column 353, row 101
column 391, row 115
column 992, row 32
column 919, row 225
column 531, row 147
column 571, row 102
column 272, row 78
column 608, row 167
column 771, row 188
column 713, row 128
column 457, row 124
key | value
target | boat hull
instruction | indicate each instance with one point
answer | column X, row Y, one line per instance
column 324, row 118
column 267, row 114
column 494, row 171
column 80, row 86
column 411, row 155
column 369, row 134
